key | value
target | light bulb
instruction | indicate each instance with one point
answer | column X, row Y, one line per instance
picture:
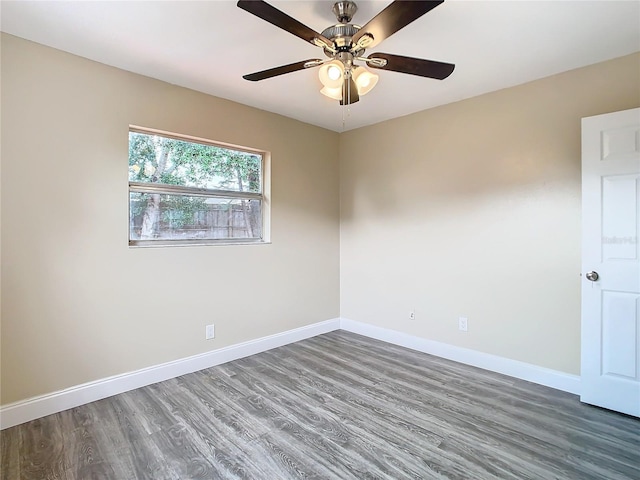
column 334, row 72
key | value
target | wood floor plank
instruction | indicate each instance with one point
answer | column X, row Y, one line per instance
column 336, row 406
column 218, row 438
column 10, row 446
column 42, row 454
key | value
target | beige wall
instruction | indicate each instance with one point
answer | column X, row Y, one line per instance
column 468, row 209
column 473, row 209
column 78, row 303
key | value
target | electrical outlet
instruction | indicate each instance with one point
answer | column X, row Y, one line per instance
column 412, row 315
column 210, row 332
column 462, row 323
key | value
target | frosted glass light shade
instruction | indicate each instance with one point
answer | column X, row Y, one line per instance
column 365, row 80
column 335, row 93
column 332, row 74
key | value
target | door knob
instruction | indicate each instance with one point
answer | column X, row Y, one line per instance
column 592, row 276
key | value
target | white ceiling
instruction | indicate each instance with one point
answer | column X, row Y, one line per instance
column 209, row 45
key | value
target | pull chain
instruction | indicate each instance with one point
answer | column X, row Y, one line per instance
column 346, row 93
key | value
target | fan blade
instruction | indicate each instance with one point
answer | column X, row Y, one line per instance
column 274, row 72
column 413, row 66
column 349, row 93
column 280, row 19
column 397, row 15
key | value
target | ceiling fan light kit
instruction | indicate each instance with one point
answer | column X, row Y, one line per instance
column 345, row 43
column 333, row 76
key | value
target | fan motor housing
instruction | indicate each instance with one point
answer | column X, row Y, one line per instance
column 340, row 35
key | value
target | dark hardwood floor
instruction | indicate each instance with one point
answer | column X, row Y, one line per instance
column 337, row 406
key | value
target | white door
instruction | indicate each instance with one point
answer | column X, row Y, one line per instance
column 610, row 374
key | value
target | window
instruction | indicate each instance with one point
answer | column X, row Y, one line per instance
column 191, row 191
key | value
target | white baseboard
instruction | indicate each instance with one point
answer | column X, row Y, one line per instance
column 524, row 371
column 37, row 407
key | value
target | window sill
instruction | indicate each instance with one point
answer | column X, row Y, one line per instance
column 191, row 243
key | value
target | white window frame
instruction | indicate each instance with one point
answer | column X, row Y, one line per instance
column 264, row 197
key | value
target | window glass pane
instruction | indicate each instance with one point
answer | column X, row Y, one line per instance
column 155, row 216
column 163, row 160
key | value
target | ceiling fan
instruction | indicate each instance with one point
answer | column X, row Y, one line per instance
column 345, row 43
